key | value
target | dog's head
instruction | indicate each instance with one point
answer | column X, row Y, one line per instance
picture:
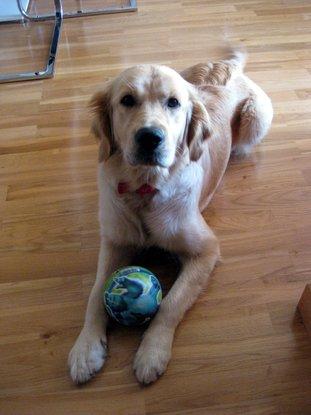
column 150, row 114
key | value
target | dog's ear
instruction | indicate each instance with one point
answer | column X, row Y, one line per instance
column 199, row 129
column 102, row 126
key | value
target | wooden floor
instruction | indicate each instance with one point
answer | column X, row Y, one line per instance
column 242, row 349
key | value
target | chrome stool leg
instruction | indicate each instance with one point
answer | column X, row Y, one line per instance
column 132, row 7
column 48, row 71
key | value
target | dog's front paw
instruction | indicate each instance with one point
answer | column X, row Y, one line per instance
column 152, row 357
column 87, row 356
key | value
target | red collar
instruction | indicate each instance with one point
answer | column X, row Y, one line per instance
column 145, row 189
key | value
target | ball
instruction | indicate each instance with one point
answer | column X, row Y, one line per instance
column 132, row 295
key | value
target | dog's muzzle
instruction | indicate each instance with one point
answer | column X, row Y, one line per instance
column 148, row 143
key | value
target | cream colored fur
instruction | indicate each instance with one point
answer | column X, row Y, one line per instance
column 221, row 111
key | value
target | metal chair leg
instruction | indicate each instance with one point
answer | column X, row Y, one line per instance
column 48, row 72
column 80, row 12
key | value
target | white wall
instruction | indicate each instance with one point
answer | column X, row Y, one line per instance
column 9, row 9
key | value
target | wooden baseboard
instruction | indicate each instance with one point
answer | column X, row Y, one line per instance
column 304, row 307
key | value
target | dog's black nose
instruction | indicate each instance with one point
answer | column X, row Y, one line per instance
column 149, row 138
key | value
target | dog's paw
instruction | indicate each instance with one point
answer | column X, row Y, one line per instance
column 152, row 359
column 87, row 356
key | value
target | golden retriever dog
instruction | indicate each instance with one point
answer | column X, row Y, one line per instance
column 165, row 141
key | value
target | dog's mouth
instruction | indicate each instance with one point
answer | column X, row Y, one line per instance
column 147, row 159
column 154, row 159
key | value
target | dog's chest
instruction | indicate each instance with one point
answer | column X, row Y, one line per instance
column 161, row 215
column 152, row 219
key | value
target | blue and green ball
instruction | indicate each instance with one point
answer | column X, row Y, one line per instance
column 132, row 295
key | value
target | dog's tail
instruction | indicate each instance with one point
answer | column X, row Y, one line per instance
column 219, row 72
column 223, row 71
column 235, row 55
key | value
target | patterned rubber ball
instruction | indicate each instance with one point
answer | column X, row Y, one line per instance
column 132, row 295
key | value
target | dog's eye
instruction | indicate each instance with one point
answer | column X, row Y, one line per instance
column 173, row 102
column 128, row 101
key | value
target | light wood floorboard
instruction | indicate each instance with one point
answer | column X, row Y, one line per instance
column 242, row 349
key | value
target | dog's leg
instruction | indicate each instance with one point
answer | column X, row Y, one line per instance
column 89, row 351
column 254, row 122
column 154, row 352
